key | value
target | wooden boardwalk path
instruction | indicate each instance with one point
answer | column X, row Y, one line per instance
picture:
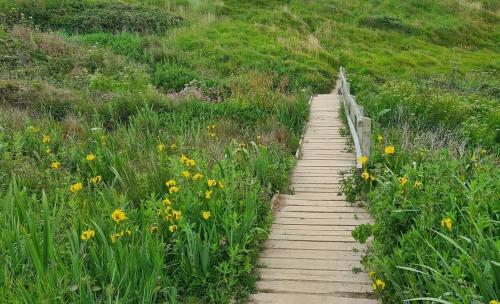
column 310, row 254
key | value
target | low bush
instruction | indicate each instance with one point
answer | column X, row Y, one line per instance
column 171, row 77
column 86, row 17
column 387, row 23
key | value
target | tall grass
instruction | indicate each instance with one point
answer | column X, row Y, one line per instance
column 141, row 83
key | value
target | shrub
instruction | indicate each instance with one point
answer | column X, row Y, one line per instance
column 85, row 17
column 172, row 77
column 387, row 23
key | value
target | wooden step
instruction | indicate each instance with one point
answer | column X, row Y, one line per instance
column 318, row 238
column 309, row 264
column 322, row 222
column 313, row 275
column 346, row 289
column 301, row 298
column 347, row 208
column 311, row 254
column 314, row 245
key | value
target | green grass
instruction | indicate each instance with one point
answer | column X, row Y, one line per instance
column 120, row 78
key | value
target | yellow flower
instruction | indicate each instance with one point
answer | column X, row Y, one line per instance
column 494, row 302
column 90, row 157
column 447, row 223
column 118, row 235
column 191, row 162
column 417, row 184
column 55, row 165
column 32, row 129
column 403, row 180
column 211, row 182
column 205, row 215
column 115, row 237
column 173, row 146
column 183, row 159
column 75, row 188
column 96, row 180
column 208, row 194
column 161, row 148
column 46, row 139
column 153, row 228
column 170, row 183
column 172, row 228
column 177, row 214
column 166, row 202
column 380, row 138
column 378, row 284
column 221, row 184
column 87, row 234
column 363, row 160
column 197, row 177
column 389, row 150
column 186, row 174
column 365, row 175
column 483, row 152
column 173, row 189
column 118, row 215
column 372, row 274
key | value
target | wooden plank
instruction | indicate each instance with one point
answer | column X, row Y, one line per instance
column 310, row 203
column 322, row 164
column 331, row 288
column 298, row 298
column 312, row 245
column 309, row 264
column 313, row 275
column 312, row 254
column 325, row 183
column 317, row 180
column 326, row 153
column 326, row 222
column 321, row 215
column 325, row 158
column 331, row 169
column 284, row 231
column 311, row 208
column 299, row 190
column 313, row 227
column 319, row 238
column 313, row 197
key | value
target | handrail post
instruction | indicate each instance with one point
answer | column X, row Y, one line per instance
column 365, row 131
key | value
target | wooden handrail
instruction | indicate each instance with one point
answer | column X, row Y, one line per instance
column 359, row 125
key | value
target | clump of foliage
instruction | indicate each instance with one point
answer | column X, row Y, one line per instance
column 386, row 23
column 87, row 17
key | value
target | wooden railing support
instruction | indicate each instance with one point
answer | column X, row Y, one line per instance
column 359, row 125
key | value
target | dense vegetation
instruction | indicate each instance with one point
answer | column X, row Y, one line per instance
column 141, row 141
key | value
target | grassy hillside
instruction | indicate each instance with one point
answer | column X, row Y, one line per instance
column 105, row 104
